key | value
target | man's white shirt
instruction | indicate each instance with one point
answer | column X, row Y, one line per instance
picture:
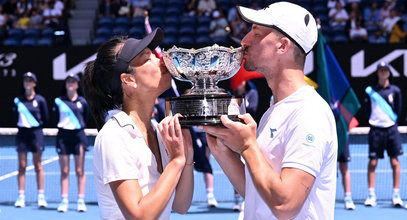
column 298, row 132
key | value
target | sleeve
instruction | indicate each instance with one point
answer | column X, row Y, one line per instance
column 55, row 114
column 118, row 162
column 367, row 104
column 14, row 113
column 398, row 103
column 306, row 143
column 85, row 112
column 44, row 111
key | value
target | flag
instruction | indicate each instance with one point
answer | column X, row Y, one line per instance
column 244, row 75
column 334, row 87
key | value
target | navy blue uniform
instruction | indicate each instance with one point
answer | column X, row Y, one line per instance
column 71, row 121
column 383, row 133
column 30, row 117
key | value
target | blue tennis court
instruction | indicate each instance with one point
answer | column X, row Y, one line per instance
column 223, row 189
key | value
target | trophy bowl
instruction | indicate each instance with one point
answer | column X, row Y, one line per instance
column 204, row 103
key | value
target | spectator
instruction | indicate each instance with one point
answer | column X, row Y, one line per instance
column 239, row 28
column 51, row 15
column 384, row 11
column 23, row 6
column 358, row 33
column 35, row 19
column 354, row 17
column 332, row 3
column 354, row 6
column 10, row 8
column 205, row 7
column 191, row 7
column 139, row 7
column 59, row 5
column 372, row 16
column 377, row 37
column 398, row 34
column 338, row 16
column 30, row 113
column 219, row 26
column 71, row 113
column 389, row 22
column 40, row 5
column 23, row 21
column 124, row 9
column 3, row 22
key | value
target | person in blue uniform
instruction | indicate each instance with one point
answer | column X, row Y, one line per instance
column 385, row 102
column 30, row 112
column 71, row 113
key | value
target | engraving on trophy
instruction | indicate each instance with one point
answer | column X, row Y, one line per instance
column 204, row 103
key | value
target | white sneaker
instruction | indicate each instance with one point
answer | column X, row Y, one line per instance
column 371, row 201
column 397, row 202
column 63, row 206
column 41, row 201
column 20, row 202
column 212, row 202
column 81, row 207
column 237, row 206
column 349, row 205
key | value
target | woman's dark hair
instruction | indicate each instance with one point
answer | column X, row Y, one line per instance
column 98, row 78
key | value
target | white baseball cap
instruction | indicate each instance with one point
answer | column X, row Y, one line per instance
column 290, row 19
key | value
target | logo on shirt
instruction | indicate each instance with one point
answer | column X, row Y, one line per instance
column 272, row 130
column 310, row 138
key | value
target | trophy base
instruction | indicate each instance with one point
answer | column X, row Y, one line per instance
column 205, row 109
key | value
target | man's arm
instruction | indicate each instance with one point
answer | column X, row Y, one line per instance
column 284, row 193
column 230, row 163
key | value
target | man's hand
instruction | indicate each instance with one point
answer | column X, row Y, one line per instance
column 237, row 136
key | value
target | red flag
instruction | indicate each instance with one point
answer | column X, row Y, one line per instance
column 243, row 75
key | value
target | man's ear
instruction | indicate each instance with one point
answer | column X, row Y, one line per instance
column 284, row 44
column 128, row 79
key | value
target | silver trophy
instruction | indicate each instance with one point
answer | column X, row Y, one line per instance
column 204, row 103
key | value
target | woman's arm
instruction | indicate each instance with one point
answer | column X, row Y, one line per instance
column 128, row 193
column 185, row 187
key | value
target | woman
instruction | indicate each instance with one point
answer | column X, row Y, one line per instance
column 139, row 173
column 71, row 114
column 30, row 113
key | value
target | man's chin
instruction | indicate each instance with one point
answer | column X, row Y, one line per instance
column 249, row 67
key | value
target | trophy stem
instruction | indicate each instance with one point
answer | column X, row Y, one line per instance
column 205, row 86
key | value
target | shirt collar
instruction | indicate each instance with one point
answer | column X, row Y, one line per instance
column 124, row 121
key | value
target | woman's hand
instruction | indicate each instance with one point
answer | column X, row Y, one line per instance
column 171, row 134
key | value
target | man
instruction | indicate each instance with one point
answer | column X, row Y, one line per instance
column 290, row 169
column 385, row 103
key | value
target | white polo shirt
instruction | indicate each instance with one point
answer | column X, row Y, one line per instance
column 120, row 153
column 298, row 132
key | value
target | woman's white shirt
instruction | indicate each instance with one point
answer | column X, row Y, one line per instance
column 121, row 153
